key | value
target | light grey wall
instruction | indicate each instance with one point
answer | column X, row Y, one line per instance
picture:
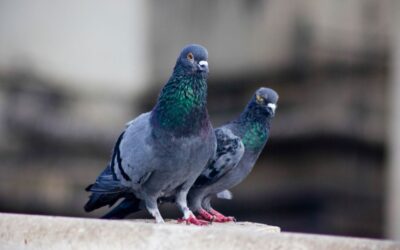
column 93, row 46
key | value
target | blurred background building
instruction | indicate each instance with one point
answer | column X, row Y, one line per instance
column 73, row 72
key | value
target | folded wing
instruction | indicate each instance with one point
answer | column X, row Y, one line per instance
column 230, row 150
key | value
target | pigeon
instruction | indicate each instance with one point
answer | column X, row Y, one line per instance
column 162, row 152
column 239, row 144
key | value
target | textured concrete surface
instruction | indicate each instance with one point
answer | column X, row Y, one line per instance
column 47, row 232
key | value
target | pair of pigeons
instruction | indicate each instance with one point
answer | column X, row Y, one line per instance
column 173, row 154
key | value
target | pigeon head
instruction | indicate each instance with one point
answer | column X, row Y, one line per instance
column 182, row 104
column 261, row 107
column 266, row 99
column 193, row 61
column 255, row 121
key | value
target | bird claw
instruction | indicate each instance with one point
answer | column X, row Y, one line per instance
column 193, row 220
column 220, row 218
column 204, row 215
column 225, row 219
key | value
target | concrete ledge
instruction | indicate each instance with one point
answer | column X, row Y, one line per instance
column 47, row 232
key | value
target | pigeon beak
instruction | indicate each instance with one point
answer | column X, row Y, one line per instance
column 272, row 106
column 203, row 66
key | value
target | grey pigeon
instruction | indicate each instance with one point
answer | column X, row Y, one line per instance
column 239, row 144
column 162, row 152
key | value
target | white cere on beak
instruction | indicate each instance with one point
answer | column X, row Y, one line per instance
column 203, row 63
column 272, row 106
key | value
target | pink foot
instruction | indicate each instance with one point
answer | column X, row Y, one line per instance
column 204, row 215
column 220, row 217
column 193, row 220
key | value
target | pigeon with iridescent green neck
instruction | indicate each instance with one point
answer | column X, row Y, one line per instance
column 239, row 144
column 162, row 152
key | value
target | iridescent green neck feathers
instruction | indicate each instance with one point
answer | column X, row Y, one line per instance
column 181, row 107
column 255, row 136
column 254, row 125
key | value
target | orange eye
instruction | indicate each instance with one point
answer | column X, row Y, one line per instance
column 190, row 56
column 259, row 99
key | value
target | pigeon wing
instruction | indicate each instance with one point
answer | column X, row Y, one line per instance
column 230, row 150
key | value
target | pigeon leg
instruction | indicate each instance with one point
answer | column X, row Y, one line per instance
column 151, row 206
column 203, row 212
column 188, row 215
column 220, row 217
column 204, row 215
